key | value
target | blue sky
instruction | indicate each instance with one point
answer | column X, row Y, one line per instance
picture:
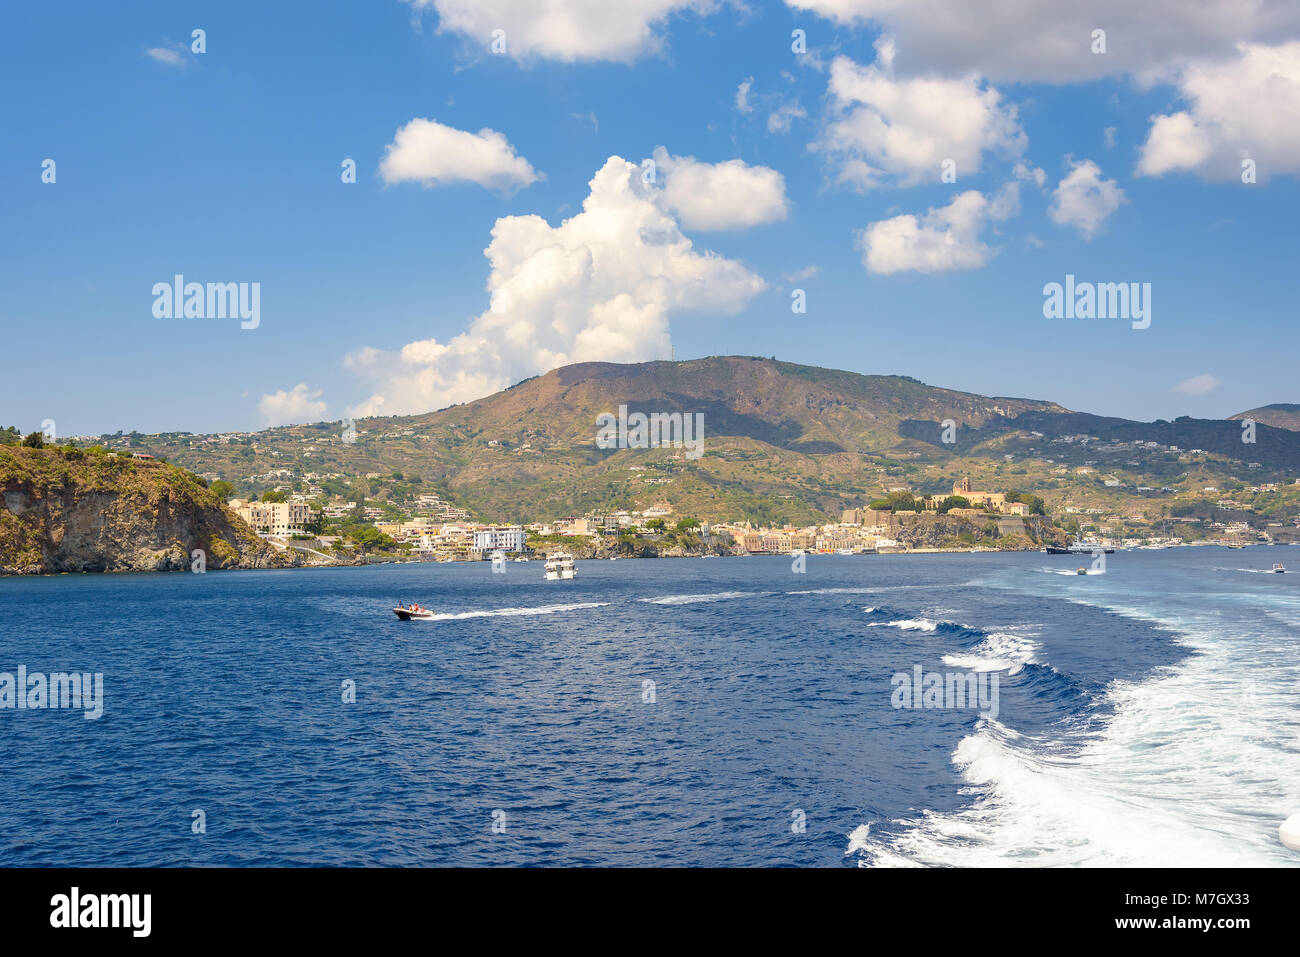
column 225, row 166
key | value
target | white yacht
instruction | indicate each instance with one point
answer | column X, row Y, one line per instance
column 560, row 567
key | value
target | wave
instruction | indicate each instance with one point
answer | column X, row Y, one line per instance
column 998, row 651
column 908, row 624
column 833, row 591
column 512, row 612
column 694, row 599
column 1194, row 765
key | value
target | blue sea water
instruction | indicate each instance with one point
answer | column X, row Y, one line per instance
column 1145, row 716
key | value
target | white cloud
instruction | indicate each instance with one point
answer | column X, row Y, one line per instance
column 807, row 272
column 902, row 130
column 601, row 286
column 1084, row 200
column 294, row 407
column 175, row 55
column 565, row 30
column 943, row 239
column 1199, row 385
column 742, row 95
column 428, row 152
column 778, row 121
column 1018, row 40
column 1246, row 107
column 730, row 195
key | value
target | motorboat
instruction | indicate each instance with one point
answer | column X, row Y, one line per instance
column 1082, row 571
column 414, row 612
column 560, row 567
column 1278, row 567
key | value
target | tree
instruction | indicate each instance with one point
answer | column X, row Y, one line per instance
column 953, row 501
column 34, row 440
column 655, row 525
column 275, row 496
column 223, row 490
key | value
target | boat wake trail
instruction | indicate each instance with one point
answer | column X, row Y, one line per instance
column 998, row 651
column 512, row 612
column 694, row 599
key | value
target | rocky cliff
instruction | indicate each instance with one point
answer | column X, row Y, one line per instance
column 67, row 510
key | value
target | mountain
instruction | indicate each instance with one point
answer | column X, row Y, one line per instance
column 1280, row 415
column 67, row 510
column 782, row 442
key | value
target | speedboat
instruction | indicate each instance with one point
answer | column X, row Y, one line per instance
column 406, row 614
column 1082, row 571
column 1278, row 567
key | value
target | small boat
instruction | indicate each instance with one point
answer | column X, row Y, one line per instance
column 613, row 558
column 406, row 614
column 560, row 567
column 843, row 551
column 1082, row 571
column 521, row 558
column 1278, row 567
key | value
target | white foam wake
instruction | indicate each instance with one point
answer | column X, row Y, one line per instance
column 1197, row 766
column 511, row 612
column 907, row 624
column 998, row 651
column 694, row 599
column 833, row 591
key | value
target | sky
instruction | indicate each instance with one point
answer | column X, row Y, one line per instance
column 869, row 185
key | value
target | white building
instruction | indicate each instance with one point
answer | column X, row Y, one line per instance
column 505, row 538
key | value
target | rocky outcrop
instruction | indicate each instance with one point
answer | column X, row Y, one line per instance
column 66, row 510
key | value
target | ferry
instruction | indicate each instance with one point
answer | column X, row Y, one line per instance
column 1080, row 547
column 560, row 567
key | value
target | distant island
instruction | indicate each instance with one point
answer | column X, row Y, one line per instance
column 790, row 458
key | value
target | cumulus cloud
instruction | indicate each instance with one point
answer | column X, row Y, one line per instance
column 1052, row 42
column 1245, row 107
column 565, row 30
column 888, row 129
column 730, row 195
column 293, row 407
column 1199, row 385
column 943, row 239
column 601, row 286
column 426, row 151
column 1084, row 200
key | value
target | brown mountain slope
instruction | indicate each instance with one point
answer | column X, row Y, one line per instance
column 1280, row 415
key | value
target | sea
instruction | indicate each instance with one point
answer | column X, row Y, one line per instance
column 749, row 711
